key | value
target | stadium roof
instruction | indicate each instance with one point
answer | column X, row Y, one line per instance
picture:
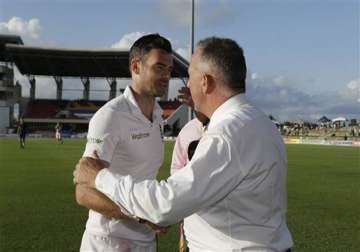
column 8, row 39
column 110, row 63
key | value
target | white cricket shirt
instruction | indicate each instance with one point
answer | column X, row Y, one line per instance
column 133, row 145
column 233, row 191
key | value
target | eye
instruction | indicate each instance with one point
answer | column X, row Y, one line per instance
column 160, row 67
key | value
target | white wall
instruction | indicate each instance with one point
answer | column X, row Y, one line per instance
column 4, row 119
column 180, row 114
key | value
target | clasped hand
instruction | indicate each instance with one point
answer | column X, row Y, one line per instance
column 86, row 170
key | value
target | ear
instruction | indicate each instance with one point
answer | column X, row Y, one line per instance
column 135, row 66
column 208, row 83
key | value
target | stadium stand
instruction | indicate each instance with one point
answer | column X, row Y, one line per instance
column 54, row 109
column 41, row 115
column 169, row 107
column 10, row 92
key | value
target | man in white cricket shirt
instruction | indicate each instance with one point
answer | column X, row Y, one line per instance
column 126, row 134
column 232, row 193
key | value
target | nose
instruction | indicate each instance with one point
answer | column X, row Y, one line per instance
column 167, row 74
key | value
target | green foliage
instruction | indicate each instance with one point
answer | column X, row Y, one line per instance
column 38, row 211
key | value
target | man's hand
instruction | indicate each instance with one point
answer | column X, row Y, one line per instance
column 184, row 96
column 86, row 170
column 157, row 229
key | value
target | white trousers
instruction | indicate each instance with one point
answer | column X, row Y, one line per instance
column 102, row 243
column 58, row 135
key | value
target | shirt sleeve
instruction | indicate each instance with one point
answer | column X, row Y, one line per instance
column 206, row 179
column 179, row 156
column 103, row 134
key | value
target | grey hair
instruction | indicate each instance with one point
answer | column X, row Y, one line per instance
column 227, row 57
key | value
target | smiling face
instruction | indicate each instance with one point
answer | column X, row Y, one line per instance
column 155, row 72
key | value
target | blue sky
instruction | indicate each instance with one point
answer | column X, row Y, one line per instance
column 303, row 56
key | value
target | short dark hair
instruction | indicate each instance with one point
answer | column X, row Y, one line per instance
column 228, row 57
column 143, row 45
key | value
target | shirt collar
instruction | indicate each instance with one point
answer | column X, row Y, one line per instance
column 230, row 104
column 157, row 111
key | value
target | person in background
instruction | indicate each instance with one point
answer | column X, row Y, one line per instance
column 58, row 136
column 184, row 148
column 22, row 131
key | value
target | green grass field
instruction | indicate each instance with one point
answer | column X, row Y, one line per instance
column 38, row 211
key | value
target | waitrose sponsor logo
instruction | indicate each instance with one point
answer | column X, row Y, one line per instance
column 94, row 140
column 139, row 136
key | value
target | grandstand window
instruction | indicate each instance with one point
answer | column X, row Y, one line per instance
column 5, row 95
column 2, row 95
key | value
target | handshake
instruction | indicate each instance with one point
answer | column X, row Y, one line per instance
column 88, row 196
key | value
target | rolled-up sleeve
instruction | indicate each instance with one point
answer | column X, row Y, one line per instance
column 211, row 174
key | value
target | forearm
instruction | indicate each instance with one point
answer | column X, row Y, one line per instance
column 97, row 201
column 197, row 186
column 162, row 203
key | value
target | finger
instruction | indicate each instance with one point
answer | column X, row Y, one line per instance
column 95, row 163
column 162, row 230
column 183, row 96
column 188, row 102
column 87, row 162
column 76, row 173
column 184, row 93
column 82, row 161
column 185, row 90
column 77, row 167
column 95, row 154
column 75, row 177
column 185, row 101
column 90, row 161
column 159, row 231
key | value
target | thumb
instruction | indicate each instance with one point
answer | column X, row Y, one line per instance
column 95, row 155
